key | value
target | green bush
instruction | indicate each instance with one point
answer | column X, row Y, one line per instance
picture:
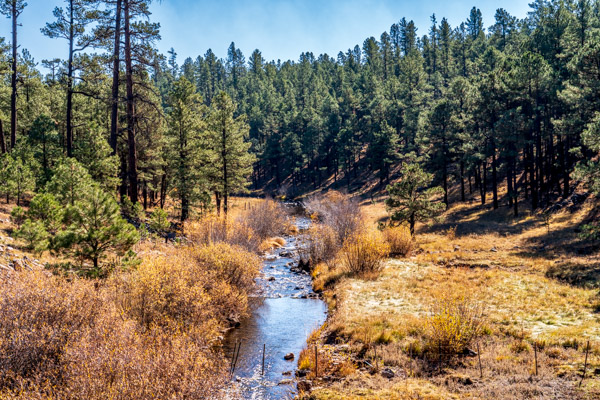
column 96, row 227
column 45, row 208
column 34, row 234
column 159, row 220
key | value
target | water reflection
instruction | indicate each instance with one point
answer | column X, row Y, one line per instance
column 281, row 318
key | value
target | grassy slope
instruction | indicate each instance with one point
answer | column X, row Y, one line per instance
column 509, row 266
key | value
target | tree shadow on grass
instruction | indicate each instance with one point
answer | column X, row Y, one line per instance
column 483, row 219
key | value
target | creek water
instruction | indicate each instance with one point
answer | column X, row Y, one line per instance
column 283, row 312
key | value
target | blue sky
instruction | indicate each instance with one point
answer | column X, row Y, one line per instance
column 280, row 29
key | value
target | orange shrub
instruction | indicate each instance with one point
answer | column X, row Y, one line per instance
column 117, row 360
column 145, row 333
column 195, row 286
column 364, row 253
column 454, row 323
column 40, row 316
column 399, row 239
column 212, row 229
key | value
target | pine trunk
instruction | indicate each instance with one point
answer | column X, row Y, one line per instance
column 70, row 85
column 114, row 114
column 2, row 139
column 13, row 80
column 132, row 157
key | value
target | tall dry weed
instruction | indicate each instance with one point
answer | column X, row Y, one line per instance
column 364, row 253
column 339, row 211
column 400, row 240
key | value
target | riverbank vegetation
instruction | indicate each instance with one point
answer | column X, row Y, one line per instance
column 469, row 155
column 476, row 309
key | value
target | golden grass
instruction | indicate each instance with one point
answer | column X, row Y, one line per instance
column 501, row 263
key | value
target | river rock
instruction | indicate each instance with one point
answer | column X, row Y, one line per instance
column 285, row 382
column 303, row 386
column 289, row 356
column 271, row 279
column 301, row 373
column 286, row 373
column 387, row 373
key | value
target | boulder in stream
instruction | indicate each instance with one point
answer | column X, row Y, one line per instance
column 303, row 386
column 289, row 356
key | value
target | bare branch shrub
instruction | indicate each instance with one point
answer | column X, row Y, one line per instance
column 39, row 317
column 364, row 253
column 454, row 323
column 267, row 219
column 338, row 211
column 322, row 244
column 399, row 239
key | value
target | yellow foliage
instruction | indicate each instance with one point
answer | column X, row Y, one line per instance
column 399, row 239
column 364, row 253
column 455, row 322
column 212, row 229
column 193, row 286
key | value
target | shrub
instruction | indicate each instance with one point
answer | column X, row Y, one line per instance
column 195, row 287
column 40, row 316
column 64, row 339
column 116, row 360
column 34, row 234
column 364, row 253
column 454, row 324
column 399, row 239
column 322, row 245
column 213, row 229
column 267, row 219
column 338, row 211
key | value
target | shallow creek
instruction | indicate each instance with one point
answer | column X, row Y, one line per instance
column 284, row 311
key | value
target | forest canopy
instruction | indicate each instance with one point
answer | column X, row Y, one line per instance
column 513, row 103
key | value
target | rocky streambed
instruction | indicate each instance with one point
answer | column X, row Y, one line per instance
column 284, row 311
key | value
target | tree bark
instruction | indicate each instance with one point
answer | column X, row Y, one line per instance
column 114, row 114
column 132, row 157
column 2, row 139
column 69, row 143
column 225, row 175
column 218, row 203
column 13, row 80
column 494, row 176
column 462, row 181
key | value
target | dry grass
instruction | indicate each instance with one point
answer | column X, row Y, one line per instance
column 364, row 252
column 400, row 240
column 533, row 286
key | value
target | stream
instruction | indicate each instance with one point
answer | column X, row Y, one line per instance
column 283, row 312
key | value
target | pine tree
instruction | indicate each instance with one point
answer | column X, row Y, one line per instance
column 186, row 154
column 410, row 200
column 97, row 228
column 13, row 9
column 229, row 148
column 71, row 25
